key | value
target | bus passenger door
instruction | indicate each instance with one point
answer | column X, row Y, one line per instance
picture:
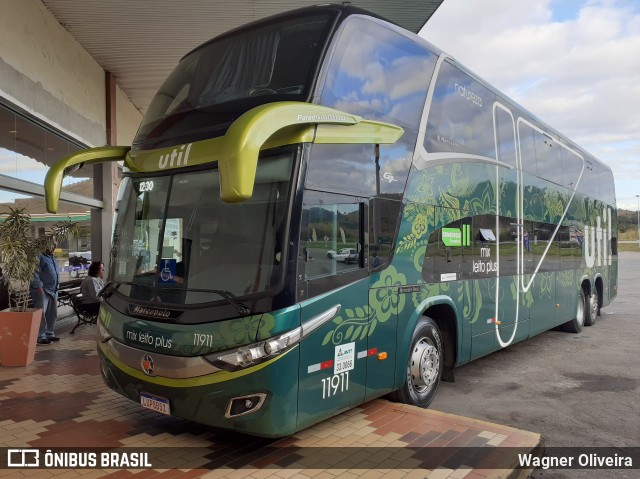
column 387, row 295
column 380, row 355
column 333, row 293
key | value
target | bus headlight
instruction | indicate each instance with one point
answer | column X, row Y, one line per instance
column 256, row 353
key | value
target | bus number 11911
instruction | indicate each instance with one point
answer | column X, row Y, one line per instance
column 331, row 385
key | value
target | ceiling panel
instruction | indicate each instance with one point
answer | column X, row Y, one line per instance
column 140, row 41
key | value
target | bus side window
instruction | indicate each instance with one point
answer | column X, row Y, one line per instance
column 347, row 169
column 461, row 114
column 607, row 187
column 331, row 250
column 527, row 148
column 378, row 74
column 571, row 166
column 484, row 242
column 448, row 253
column 506, row 137
column 384, row 216
column 589, row 185
column 548, row 157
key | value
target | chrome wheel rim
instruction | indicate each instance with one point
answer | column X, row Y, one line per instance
column 580, row 312
column 424, row 365
column 593, row 306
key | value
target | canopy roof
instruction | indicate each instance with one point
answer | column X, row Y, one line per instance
column 141, row 41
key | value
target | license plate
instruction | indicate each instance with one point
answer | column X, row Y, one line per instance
column 155, row 403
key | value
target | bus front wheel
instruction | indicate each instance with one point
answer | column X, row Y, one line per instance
column 424, row 368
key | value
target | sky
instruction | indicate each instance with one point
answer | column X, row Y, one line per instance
column 574, row 64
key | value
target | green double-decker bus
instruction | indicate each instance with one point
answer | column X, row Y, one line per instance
column 321, row 208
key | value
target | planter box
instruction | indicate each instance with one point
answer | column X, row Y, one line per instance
column 18, row 336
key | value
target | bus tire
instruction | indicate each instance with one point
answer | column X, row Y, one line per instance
column 424, row 368
column 576, row 324
column 592, row 308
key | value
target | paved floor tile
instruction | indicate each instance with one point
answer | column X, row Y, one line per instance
column 60, row 401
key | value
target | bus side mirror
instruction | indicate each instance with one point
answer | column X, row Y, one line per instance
column 73, row 162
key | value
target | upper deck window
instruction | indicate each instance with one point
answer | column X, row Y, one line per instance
column 222, row 79
column 379, row 74
column 461, row 115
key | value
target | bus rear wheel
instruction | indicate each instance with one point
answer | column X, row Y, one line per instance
column 592, row 307
column 424, row 368
column 576, row 324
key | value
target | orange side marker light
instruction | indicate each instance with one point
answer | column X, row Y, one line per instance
column 382, row 356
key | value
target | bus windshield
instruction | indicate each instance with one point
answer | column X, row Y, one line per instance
column 217, row 82
column 175, row 241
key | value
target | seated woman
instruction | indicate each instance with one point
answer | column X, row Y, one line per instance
column 91, row 286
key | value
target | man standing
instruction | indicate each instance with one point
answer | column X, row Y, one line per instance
column 44, row 291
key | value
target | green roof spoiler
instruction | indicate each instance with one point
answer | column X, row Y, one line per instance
column 253, row 131
column 73, row 162
column 266, row 126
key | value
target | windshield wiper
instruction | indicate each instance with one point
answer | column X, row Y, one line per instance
column 111, row 287
column 228, row 296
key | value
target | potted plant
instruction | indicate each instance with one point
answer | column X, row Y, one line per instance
column 19, row 324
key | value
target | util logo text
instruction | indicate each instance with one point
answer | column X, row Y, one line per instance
column 175, row 158
column 596, row 238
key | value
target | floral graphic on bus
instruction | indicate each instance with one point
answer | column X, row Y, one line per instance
column 387, row 299
column 356, row 323
column 359, row 322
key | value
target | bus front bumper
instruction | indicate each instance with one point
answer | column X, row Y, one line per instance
column 260, row 400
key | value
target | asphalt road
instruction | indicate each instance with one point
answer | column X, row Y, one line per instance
column 577, row 390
